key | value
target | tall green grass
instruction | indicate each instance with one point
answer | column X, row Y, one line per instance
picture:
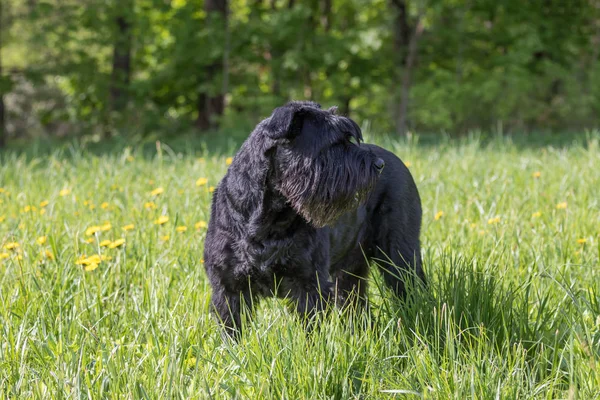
column 512, row 309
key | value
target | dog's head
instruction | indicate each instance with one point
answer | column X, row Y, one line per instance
column 317, row 162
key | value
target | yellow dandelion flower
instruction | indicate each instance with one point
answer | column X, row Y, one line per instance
column 536, row 214
column 92, row 206
column 87, row 202
column 200, row 224
column 4, row 256
column 2, row 218
column 41, row 240
column 106, row 227
column 407, row 163
column 44, row 203
column 202, row 261
column 129, row 227
column 190, row 362
column 90, row 240
column 438, row 215
column 211, row 189
column 64, row 192
column 473, row 225
column 11, row 246
column 49, row 255
column 228, row 160
column 163, row 219
column 482, row 232
column 2, row 190
column 150, row 205
column 537, row 174
column 117, row 243
column 157, row 191
column 42, row 211
column 165, row 238
column 92, row 230
column 90, row 267
column 582, row 241
column 104, row 205
column 561, row 206
column 493, row 221
column 26, row 209
column 105, row 243
column 181, row 228
column 201, row 181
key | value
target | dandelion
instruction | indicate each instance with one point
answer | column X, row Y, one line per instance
column 200, row 225
column 2, row 190
column 11, row 246
column 165, row 238
column 493, row 221
column 92, row 230
column 105, row 243
column 90, row 267
column 104, row 205
column 2, row 218
column 536, row 214
column 42, row 211
column 582, row 241
column 90, row 240
column 117, row 243
column 561, row 206
column 211, row 189
column 92, row 206
column 408, row 164
column 228, row 160
column 129, row 227
column 190, row 362
column 41, row 240
column 27, row 209
column 106, row 227
column 181, row 228
column 163, row 219
column 64, row 192
column 201, row 181
column 537, row 174
column 49, row 255
column 438, row 215
column 202, row 261
column 4, row 256
column 157, row 191
column 44, row 203
column 150, row 205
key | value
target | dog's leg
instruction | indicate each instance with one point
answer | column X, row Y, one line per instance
column 227, row 306
column 350, row 282
column 400, row 262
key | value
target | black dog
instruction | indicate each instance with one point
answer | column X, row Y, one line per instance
column 301, row 206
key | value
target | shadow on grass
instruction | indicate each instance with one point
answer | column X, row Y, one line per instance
column 191, row 143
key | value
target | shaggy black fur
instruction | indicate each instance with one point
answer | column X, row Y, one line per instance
column 301, row 206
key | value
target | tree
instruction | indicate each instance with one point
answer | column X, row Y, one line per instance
column 211, row 98
column 121, row 61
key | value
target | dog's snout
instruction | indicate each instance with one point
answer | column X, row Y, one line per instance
column 379, row 164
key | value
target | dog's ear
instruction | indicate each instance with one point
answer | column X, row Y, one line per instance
column 286, row 121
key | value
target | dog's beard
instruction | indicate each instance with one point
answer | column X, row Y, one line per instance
column 323, row 189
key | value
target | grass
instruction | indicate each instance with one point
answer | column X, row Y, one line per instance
column 511, row 247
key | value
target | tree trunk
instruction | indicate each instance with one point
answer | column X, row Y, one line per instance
column 406, row 41
column 210, row 105
column 401, row 124
column 2, row 121
column 121, row 65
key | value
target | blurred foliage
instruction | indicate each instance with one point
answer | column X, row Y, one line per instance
column 480, row 64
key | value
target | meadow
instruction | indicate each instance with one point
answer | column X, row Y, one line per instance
column 103, row 293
